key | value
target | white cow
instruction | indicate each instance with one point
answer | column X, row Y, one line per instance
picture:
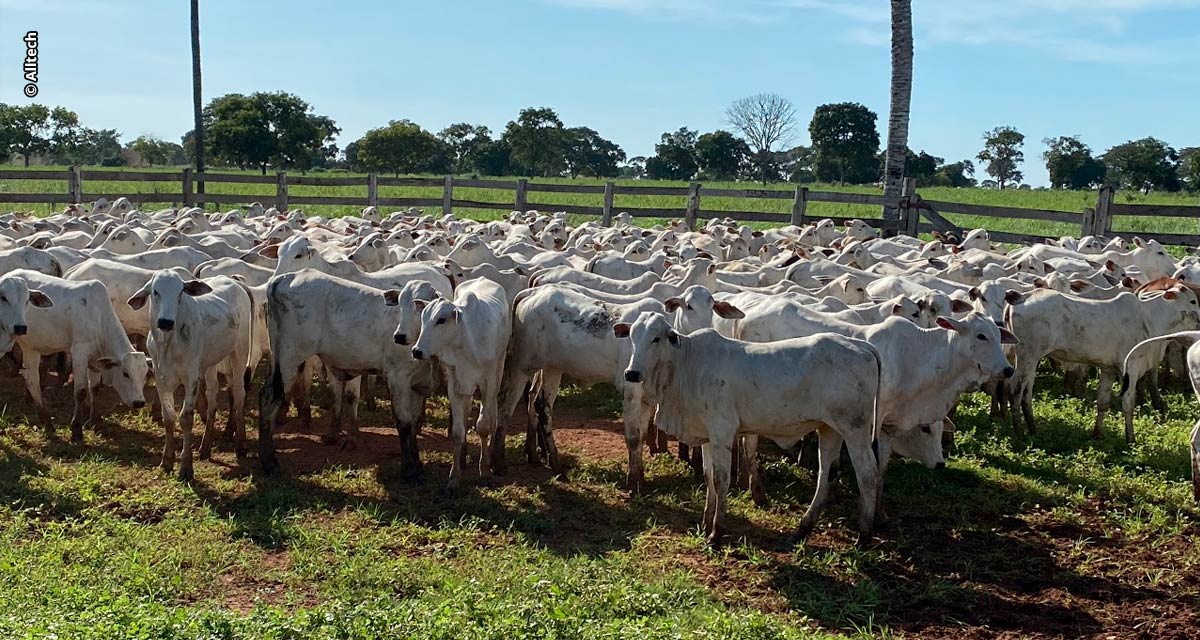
column 15, row 294
column 200, row 328
column 710, row 389
column 83, row 325
column 469, row 337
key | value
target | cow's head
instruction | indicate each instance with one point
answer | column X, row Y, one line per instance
column 979, row 340
column 410, row 301
column 164, row 292
column 440, row 320
column 652, row 337
column 126, row 375
column 14, row 295
column 695, row 307
column 921, row 443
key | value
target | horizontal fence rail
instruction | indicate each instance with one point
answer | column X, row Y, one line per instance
column 916, row 215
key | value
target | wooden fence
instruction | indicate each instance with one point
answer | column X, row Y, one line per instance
column 917, row 215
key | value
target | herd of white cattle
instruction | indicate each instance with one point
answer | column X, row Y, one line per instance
column 716, row 336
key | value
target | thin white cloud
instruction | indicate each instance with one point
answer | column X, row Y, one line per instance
column 1063, row 28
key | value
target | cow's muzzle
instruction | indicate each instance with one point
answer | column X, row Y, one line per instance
column 20, row 329
column 401, row 338
column 1008, row 372
column 166, row 324
column 138, row 404
column 633, row 376
column 418, row 354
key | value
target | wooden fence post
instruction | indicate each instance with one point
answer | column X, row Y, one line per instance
column 1089, row 221
column 606, row 216
column 281, row 192
column 910, row 216
column 372, row 189
column 75, row 185
column 693, row 206
column 522, row 201
column 447, row 195
column 187, row 186
column 799, row 206
column 1103, row 222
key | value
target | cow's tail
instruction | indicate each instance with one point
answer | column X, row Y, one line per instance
column 250, row 332
column 272, row 390
column 876, row 413
column 1134, row 366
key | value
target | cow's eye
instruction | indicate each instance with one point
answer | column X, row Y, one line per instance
column 981, row 337
column 926, row 429
column 440, row 321
column 3, row 298
column 299, row 255
column 655, row 340
column 125, row 374
column 917, row 314
column 689, row 308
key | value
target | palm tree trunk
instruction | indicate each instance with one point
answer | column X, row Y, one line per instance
column 897, row 146
column 197, row 96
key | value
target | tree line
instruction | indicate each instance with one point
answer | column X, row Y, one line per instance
column 281, row 131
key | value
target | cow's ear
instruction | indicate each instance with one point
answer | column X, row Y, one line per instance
column 270, row 251
column 1008, row 337
column 974, row 293
column 1138, row 242
column 196, row 288
column 897, row 309
column 39, row 299
column 138, row 300
column 1109, row 265
column 621, row 330
column 1039, row 283
column 420, row 304
column 950, row 324
column 1014, row 297
column 673, row 338
column 672, row 304
column 1130, row 282
column 960, row 306
column 727, row 310
column 1171, row 294
column 1080, row 285
column 1048, row 268
column 391, row 297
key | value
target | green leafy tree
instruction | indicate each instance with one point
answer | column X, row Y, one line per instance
column 350, row 157
column 27, row 129
column 1071, row 164
column 1189, row 167
column 674, row 157
column 493, row 158
column 1144, row 164
column 465, row 142
column 537, row 142
column 400, row 147
column 956, row 174
column 1003, row 155
column 634, row 168
column 721, row 155
column 802, row 165
column 154, row 151
column 265, row 129
column 93, row 146
column 846, row 142
column 588, row 154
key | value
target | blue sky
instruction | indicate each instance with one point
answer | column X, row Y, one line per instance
column 1109, row 70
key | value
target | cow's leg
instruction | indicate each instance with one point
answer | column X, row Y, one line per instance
column 718, row 460
column 303, row 392
column 1103, row 400
column 634, row 414
column 271, row 397
column 1156, row 399
column 1128, row 400
column 31, row 372
column 460, row 405
column 408, row 407
column 187, row 416
column 166, row 399
column 352, row 393
column 870, row 485
column 758, row 493
column 369, row 393
column 209, row 412
column 1196, row 461
column 518, row 390
column 551, row 383
column 83, row 398
column 486, row 427
column 337, row 395
column 237, row 408
column 829, row 448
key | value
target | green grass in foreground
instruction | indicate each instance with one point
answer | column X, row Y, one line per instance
column 1060, row 200
column 1057, row 535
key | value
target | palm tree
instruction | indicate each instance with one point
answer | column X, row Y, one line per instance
column 897, row 144
column 197, row 100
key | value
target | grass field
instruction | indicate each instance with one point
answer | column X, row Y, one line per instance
column 1072, row 201
column 1053, row 536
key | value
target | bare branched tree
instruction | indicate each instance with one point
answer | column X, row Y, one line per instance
column 765, row 120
